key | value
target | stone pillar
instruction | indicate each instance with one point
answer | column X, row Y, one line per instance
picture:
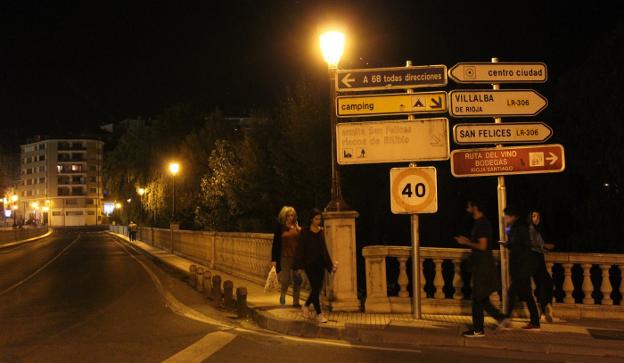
column 340, row 238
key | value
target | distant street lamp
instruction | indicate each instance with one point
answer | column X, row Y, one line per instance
column 332, row 46
column 140, row 192
column 14, row 199
column 174, row 168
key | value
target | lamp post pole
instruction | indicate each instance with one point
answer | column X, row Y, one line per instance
column 332, row 45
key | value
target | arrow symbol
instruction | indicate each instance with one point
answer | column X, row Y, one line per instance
column 346, row 80
column 436, row 103
column 552, row 158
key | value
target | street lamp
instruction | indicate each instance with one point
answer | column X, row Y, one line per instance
column 332, row 46
column 140, row 192
column 14, row 199
column 174, row 168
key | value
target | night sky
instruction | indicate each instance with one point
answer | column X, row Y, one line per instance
column 74, row 66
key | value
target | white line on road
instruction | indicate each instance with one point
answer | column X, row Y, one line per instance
column 203, row 348
column 40, row 268
column 172, row 303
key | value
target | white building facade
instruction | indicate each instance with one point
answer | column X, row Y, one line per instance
column 61, row 182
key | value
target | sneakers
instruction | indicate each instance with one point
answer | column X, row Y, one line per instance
column 531, row 327
column 504, row 324
column 473, row 334
column 547, row 314
column 282, row 299
column 305, row 312
column 321, row 318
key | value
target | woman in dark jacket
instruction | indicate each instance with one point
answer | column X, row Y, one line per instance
column 543, row 281
column 521, row 266
column 312, row 257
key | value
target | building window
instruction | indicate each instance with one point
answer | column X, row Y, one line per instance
column 41, row 157
column 89, row 201
column 92, row 190
column 76, row 167
column 74, row 213
column 57, row 214
column 92, row 167
column 71, row 201
column 64, row 191
column 92, row 179
column 90, row 212
column 42, row 180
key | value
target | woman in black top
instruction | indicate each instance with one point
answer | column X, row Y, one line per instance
column 312, row 256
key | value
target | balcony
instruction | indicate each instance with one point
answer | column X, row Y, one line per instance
column 64, row 146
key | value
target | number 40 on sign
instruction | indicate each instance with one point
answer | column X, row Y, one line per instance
column 413, row 190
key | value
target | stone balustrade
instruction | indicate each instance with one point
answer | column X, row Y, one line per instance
column 586, row 284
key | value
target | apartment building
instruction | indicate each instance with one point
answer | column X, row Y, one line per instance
column 61, row 182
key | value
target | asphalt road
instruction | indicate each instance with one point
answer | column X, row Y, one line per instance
column 83, row 296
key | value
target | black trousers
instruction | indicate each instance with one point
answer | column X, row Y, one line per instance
column 543, row 281
column 521, row 289
column 315, row 273
column 478, row 306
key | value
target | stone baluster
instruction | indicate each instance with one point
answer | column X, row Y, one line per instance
column 438, row 280
column 622, row 285
column 403, row 279
column 587, row 288
column 458, row 283
column 549, row 269
column 605, row 286
column 568, row 286
column 423, row 280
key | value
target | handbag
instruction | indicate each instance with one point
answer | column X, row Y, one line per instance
column 272, row 284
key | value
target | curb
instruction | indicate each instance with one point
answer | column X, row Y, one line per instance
column 441, row 334
column 32, row 239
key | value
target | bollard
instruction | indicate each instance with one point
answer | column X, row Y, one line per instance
column 207, row 283
column 228, row 294
column 192, row 273
column 216, row 288
column 241, row 302
column 200, row 279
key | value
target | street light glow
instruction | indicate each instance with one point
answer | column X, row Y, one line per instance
column 332, row 46
column 141, row 191
column 129, row 200
column 14, row 198
column 117, row 205
column 174, row 168
column 35, row 205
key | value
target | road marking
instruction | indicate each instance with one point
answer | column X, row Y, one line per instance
column 179, row 308
column 40, row 268
column 172, row 303
column 203, row 348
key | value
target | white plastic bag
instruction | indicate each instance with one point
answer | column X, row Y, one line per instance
column 272, row 284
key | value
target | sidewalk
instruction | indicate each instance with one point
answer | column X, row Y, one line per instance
column 580, row 337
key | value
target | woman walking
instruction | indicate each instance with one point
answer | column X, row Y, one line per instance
column 285, row 241
column 541, row 277
column 312, row 256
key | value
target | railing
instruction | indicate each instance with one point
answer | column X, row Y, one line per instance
column 586, row 284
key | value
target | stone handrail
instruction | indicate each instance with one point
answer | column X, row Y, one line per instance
column 446, row 285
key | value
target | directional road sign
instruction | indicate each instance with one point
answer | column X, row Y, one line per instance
column 495, row 103
column 502, row 72
column 535, row 159
column 392, row 141
column 375, row 79
column 413, row 190
column 391, row 104
column 503, row 133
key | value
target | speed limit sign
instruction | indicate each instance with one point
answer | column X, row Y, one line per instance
column 413, row 190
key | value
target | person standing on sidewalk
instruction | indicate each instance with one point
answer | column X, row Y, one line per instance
column 285, row 241
column 521, row 266
column 483, row 269
column 543, row 281
column 312, row 257
column 132, row 231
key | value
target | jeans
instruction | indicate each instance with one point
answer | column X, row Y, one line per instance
column 286, row 275
column 315, row 273
column 477, row 313
column 521, row 289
